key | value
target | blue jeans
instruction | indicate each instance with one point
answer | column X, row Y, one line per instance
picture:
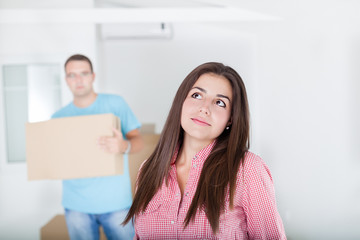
column 86, row 226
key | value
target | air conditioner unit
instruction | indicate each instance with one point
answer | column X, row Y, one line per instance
column 118, row 31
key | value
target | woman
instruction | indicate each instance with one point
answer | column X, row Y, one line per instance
column 201, row 181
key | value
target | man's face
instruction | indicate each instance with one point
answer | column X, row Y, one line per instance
column 79, row 78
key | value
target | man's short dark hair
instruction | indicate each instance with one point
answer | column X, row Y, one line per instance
column 79, row 57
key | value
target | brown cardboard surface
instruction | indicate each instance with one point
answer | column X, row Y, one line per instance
column 55, row 229
column 66, row 148
column 136, row 159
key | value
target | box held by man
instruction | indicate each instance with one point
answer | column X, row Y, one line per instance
column 66, row 148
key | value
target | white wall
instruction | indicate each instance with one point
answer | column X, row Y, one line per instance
column 26, row 206
column 148, row 72
column 302, row 75
column 308, row 101
column 303, row 79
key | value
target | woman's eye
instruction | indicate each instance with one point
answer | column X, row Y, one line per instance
column 220, row 103
column 196, row 95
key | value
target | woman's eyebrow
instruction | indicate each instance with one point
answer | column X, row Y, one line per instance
column 218, row 95
column 223, row 96
column 201, row 89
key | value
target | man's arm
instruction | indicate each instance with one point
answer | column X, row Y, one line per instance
column 117, row 144
column 136, row 141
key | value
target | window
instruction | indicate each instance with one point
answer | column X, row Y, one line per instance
column 31, row 93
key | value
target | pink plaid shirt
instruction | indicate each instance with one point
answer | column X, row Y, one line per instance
column 254, row 215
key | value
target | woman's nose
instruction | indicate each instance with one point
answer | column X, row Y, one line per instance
column 204, row 108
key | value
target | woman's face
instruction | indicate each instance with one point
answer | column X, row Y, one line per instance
column 207, row 108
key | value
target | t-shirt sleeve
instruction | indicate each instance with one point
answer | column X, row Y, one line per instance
column 128, row 119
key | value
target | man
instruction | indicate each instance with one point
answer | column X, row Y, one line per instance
column 91, row 202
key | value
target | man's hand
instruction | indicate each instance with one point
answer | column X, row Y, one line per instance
column 116, row 144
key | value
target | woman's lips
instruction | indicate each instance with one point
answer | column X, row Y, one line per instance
column 200, row 122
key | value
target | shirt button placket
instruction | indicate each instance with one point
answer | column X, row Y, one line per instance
column 173, row 227
column 194, row 158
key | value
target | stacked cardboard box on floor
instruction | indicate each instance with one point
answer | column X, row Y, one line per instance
column 56, row 229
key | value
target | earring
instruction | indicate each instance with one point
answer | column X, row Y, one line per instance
column 227, row 128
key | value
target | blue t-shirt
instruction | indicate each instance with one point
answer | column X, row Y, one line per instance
column 100, row 194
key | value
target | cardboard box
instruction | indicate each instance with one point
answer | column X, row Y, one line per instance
column 66, row 148
column 136, row 159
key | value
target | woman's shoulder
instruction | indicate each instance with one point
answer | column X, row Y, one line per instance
column 252, row 159
column 253, row 165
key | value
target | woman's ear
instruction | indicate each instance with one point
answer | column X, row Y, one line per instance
column 229, row 122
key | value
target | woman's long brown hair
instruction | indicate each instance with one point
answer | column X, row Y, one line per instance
column 218, row 176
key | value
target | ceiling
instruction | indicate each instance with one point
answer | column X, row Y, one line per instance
column 125, row 11
column 159, row 3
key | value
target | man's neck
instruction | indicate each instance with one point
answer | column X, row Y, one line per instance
column 85, row 101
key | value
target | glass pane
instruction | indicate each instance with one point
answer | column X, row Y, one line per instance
column 16, row 116
column 32, row 93
column 44, row 91
column 15, row 76
column 44, row 74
